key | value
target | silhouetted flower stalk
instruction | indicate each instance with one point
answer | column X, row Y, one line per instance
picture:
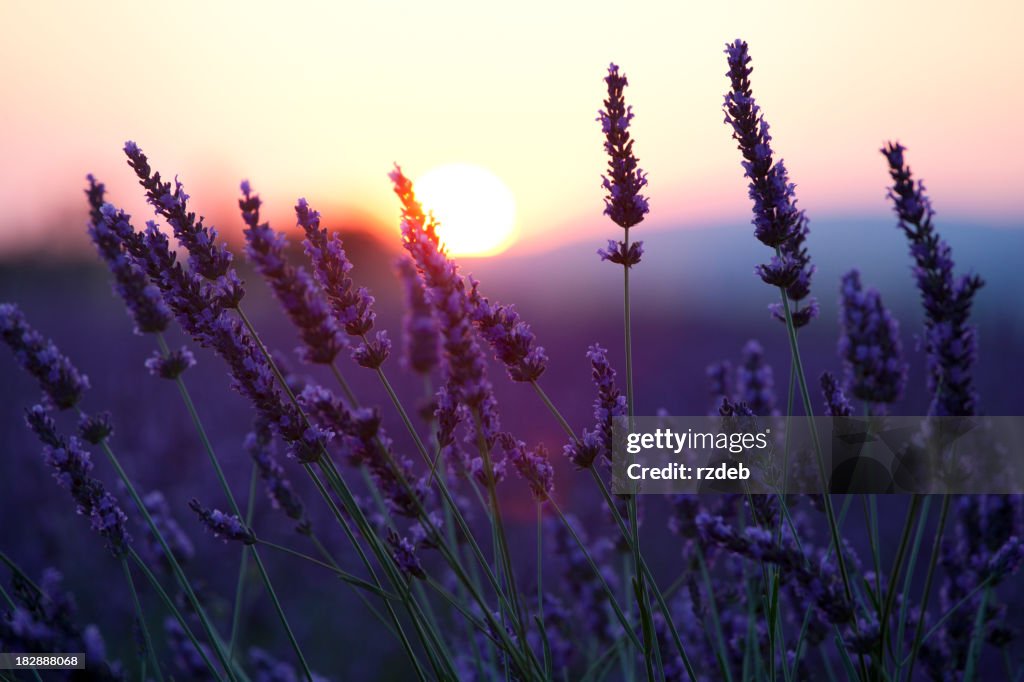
column 951, row 344
column 870, row 345
column 301, row 299
column 626, row 207
column 780, row 225
column 145, row 306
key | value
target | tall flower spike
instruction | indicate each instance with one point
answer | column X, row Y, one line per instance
column 836, row 404
column 259, row 443
column 513, row 342
column 422, row 339
column 353, row 307
column 300, row 297
column 62, row 384
column 623, row 204
column 205, row 320
column 223, row 526
column 870, row 344
column 145, row 306
column 206, row 257
column 465, row 364
column 950, row 342
column 754, row 381
column 778, row 223
column 72, row 469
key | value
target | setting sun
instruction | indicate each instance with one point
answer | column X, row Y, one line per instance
column 475, row 208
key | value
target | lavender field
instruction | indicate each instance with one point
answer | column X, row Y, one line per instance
column 320, row 453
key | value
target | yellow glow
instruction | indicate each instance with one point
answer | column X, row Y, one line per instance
column 475, row 209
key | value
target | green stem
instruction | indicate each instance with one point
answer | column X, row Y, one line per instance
column 243, row 568
column 929, row 576
column 172, row 561
column 141, row 620
column 208, row 446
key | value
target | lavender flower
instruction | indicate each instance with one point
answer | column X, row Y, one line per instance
column 301, row 299
column 223, row 526
column 367, row 444
column 170, row 365
column 533, row 466
column 777, row 221
column 353, row 307
column 610, row 402
column 142, row 299
column 72, row 469
column 95, row 428
column 755, row 382
column 62, row 384
column 422, row 338
column 514, row 344
column 465, row 365
column 624, row 204
column 404, row 554
column 372, row 354
column 211, row 260
column 950, row 342
column 720, row 377
column 205, row 319
column 189, row 661
column 870, row 344
column 259, row 443
column 836, row 404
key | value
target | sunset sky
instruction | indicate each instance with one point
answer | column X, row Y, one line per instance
column 318, row 100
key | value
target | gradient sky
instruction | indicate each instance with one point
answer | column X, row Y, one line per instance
column 318, row 99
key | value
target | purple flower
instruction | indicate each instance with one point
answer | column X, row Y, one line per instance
column 170, row 365
column 584, row 451
column 422, row 339
column 62, row 384
column 465, row 365
column 755, row 382
column 372, row 354
column 618, row 252
column 513, row 342
column 72, row 469
column 720, row 377
column 623, row 204
column 145, row 306
column 778, row 223
column 533, row 466
column 951, row 344
column 870, row 344
column 836, row 404
column 259, row 443
column 352, row 307
column 95, row 428
column 301, row 298
column 209, row 259
column 223, row 526
column 404, row 554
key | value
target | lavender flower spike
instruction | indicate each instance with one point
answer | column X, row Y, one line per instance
column 302, row 300
column 145, row 306
column 223, row 526
column 778, row 223
column 62, row 384
column 422, row 338
column 870, row 344
column 951, row 343
column 755, row 382
column 353, row 307
column 211, row 260
column 260, row 446
column 72, row 469
column 624, row 204
column 836, row 404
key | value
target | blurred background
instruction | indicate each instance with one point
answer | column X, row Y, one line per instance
column 319, row 99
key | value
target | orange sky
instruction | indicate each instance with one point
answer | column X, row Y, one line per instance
column 318, row 99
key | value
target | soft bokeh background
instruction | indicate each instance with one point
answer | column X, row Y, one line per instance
column 318, row 100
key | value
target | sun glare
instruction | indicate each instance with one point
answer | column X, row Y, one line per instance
column 475, row 208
